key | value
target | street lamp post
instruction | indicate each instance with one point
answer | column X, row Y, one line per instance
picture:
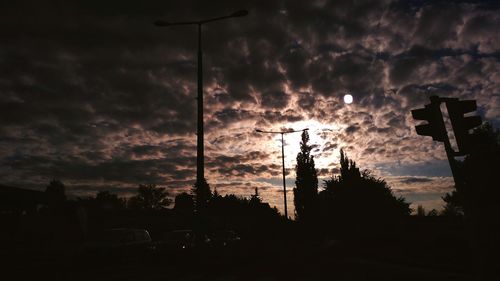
column 200, row 156
column 282, row 158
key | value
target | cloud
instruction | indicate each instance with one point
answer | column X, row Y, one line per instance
column 93, row 93
column 422, row 190
column 415, row 180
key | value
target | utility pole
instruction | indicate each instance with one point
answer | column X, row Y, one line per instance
column 282, row 159
column 200, row 156
column 200, row 145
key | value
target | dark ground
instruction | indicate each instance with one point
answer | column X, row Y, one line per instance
column 325, row 259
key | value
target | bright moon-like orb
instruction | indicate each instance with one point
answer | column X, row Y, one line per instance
column 348, row 99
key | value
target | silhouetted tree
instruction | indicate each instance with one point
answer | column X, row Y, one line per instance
column 348, row 170
column 216, row 193
column 255, row 198
column 243, row 214
column 107, row 200
column 454, row 205
column 55, row 192
column 184, row 203
column 479, row 170
column 201, row 194
column 481, row 193
column 306, row 182
column 359, row 197
column 433, row 213
column 420, row 211
column 149, row 197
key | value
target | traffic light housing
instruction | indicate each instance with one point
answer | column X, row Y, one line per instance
column 462, row 124
column 435, row 127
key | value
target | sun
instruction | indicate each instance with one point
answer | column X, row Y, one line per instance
column 348, row 99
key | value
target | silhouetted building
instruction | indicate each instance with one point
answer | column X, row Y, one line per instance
column 14, row 200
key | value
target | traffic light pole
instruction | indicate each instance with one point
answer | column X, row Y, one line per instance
column 439, row 133
column 462, row 124
column 450, row 153
column 457, row 178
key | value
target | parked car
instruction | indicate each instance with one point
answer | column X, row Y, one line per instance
column 120, row 241
column 225, row 238
column 182, row 240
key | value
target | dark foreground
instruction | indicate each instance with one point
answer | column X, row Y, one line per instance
column 324, row 259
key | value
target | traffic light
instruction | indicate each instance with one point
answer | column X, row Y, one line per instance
column 462, row 124
column 435, row 125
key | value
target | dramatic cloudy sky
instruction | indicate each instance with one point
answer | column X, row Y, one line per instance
column 95, row 95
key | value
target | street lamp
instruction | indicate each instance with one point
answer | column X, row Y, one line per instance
column 200, row 170
column 282, row 157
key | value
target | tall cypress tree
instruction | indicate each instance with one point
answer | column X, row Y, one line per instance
column 306, row 182
column 348, row 169
column 359, row 198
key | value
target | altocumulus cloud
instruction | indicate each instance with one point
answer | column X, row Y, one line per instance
column 94, row 94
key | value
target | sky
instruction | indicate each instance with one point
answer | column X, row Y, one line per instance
column 93, row 94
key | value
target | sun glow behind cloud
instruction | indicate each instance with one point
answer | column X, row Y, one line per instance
column 319, row 135
column 322, row 137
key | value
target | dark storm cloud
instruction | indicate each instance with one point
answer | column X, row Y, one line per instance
column 306, row 101
column 415, row 180
column 92, row 92
column 352, row 129
column 130, row 171
column 275, row 100
column 243, row 165
column 229, row 115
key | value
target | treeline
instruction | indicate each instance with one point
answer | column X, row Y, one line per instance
column 353, row 198
column 148, row 196
column 148, row 208
column 359, row 195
